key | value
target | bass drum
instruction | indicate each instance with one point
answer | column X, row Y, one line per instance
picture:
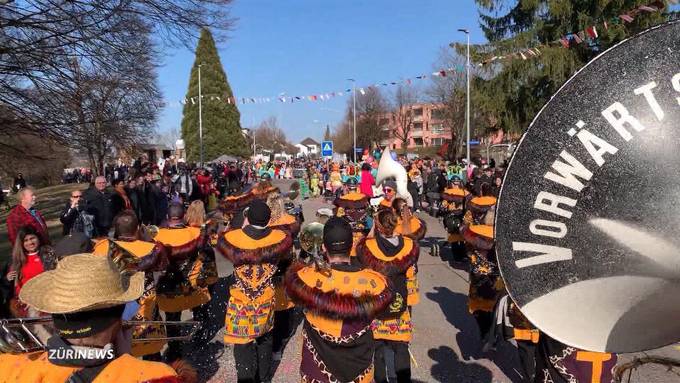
column 588, row 249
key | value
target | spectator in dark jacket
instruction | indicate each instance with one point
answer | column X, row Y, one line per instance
column 71, row 213
column 98, row 204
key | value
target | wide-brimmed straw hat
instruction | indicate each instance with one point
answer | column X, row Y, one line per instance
column 81, row 282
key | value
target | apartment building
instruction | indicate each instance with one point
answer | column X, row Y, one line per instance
column 427, row 127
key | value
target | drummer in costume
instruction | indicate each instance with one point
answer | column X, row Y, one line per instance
column 339, row 305
column 145, row 256
column 486, row 284
column 233, row 206
column 354, row 206
column 453, row 206
column 255, row 251
column 87, row 319
column 283, row 307
column 178, row 289
column 394, row 256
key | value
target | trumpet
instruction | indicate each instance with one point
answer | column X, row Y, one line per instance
column 25, row 335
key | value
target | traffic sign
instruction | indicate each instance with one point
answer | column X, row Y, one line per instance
column 359, row 150
column 327, row 148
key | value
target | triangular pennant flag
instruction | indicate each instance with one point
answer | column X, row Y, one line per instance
column 606, row 27
column 228, row 100
column 442, row 73
column 582, row 35
column 340, row 94
column 361, row 90
column 193, row 102
column 183, row 101
column 522, row 56
column 408, row 81
column 577, row 39
column 565, row 42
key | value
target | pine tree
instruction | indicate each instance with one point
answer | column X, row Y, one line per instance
column 513, row 91
column 221, row 119
column 327, row 135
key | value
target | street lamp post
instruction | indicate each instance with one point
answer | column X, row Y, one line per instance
column 200, row 115
column 467, row 109
column 354, row 118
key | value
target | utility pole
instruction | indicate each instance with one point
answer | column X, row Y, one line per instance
column 200, row 114
column 354, row 117
column 467, row 113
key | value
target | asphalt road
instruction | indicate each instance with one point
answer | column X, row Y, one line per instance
column 445, row 346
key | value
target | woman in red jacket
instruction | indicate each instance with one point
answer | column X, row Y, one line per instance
column 29, row 258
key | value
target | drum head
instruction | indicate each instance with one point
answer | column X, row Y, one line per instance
column 588, row 221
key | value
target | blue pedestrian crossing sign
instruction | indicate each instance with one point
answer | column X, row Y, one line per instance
column 327, row 148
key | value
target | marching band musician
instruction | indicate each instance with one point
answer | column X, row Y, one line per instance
column 339, row 305
column 283, row 307
column 408, row 224
column 354, row 206
column 150, row 256
column 233, row 206
column 88, row 323
column 486, row 284
column 255, row 251
column 390, row 192
column 178, row 288
column 453, row 206
column 394, row 256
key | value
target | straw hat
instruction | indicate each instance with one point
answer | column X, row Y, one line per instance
column 81, row 282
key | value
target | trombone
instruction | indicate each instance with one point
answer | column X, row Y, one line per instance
column 19, row 335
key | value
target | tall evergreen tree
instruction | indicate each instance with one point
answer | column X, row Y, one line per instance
column 221, row 120
column 513, row 91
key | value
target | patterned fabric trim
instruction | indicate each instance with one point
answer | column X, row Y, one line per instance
column 343, row 339
column 322, row 366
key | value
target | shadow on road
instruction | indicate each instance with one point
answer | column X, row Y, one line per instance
column 448, row 368
column 454, row 306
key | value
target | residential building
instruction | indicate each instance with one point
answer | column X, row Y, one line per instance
column 308, row 147
column 427, row 127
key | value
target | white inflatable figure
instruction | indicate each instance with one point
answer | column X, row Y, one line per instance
column 389, row 168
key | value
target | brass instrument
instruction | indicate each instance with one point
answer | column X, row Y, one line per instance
column 311, row 239
column 21, row 335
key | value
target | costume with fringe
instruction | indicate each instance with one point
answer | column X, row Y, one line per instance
column 35, row 367
column 339, row 306
column 148, row 257
column 453, row 206
column 182, row 287
column 290, row 225
column 255, row 255
column 398, row 263
column 416, row 228
column 354, row 207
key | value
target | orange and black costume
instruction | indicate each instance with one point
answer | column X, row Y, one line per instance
column 415, row 228
column 36, row 368
column 339, row 306
column 393, row 328
column 182, row 287
column 354, row 207
column 283, row 306
column 232, row 206
column 255, row 253
column 453, row 204
column 145, row 257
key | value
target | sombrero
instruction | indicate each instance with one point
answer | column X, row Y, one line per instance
column 81, row 282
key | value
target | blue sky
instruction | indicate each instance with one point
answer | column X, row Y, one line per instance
column 305, row 47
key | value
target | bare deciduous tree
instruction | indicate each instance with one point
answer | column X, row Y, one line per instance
column 41, row 39
column 269, row 136
column 402, row 113
column 371, row 107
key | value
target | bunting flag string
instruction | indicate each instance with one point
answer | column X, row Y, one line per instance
column 588, row 35
column 325, row 96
